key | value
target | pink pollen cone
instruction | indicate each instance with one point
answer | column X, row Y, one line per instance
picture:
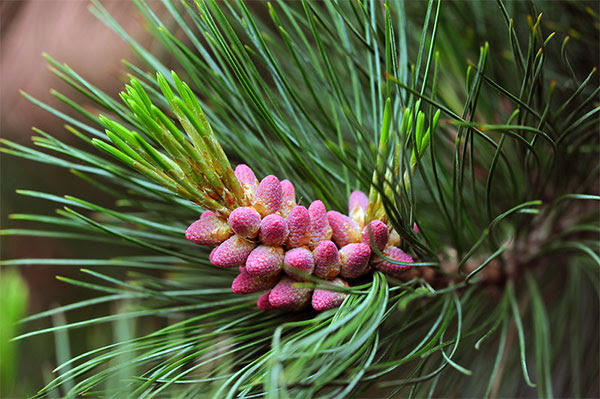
column 345, row 230
column 288, row 199
column 273, row 230
column 245, row 222
column 380, row 234
column 327, row 260
column 357, row 206
column 232, row 252
column 324, row 300
column 208, row 230
column 285, row 296
column 247, row 180
column 269, row 196
column 265, row 261
column 354, row 260
column 245, row 283
column 297, row 261
column 397, row 254
column 263, row 302
column 320, row 229
column 298, row 223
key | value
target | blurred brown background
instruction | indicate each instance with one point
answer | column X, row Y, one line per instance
column 69, row 32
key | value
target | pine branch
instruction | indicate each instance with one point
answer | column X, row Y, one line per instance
column 490, row 181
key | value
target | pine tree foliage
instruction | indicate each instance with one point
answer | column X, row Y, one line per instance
column 496, row 164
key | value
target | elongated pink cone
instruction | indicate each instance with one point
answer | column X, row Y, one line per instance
column 298, row 261
column 289, row 198
column 265, row 261
column 273, row 230
column 320, row 229
column 263, row 302
column 212, row 251
column 245, row 222
column 357, row 206
column 298, row 223
column 345, row 230
column 247, row 180
column 269, row 196
column 208, row 230
column 327, row 260
column 285, row 295
column 380, row 234
column 325, row 300
column 416, row 228
column 245, row 283
column 354, row 260
column 232, row 252
column 394, row 253
column 357, row 199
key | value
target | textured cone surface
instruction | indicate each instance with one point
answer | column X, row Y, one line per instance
column 288, row 297
column 298, row 261
column 208, row 230
column 297, row 240
column 394, row 253
column 269, row 196
column 320, row 230
column 265, row 261
column 245, row 283
column 288, row 201
column 357, row 206
column 380, row 234
column 327, row 260
column 345, row 230
column 245, row 222
column 298, row 223
column 324, row 300
column 232, row 252
column 247, row 180
column 354, row 260
column 263, row 302
column 273, row 230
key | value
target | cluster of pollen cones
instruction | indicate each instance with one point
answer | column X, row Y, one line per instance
column 276, row 244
